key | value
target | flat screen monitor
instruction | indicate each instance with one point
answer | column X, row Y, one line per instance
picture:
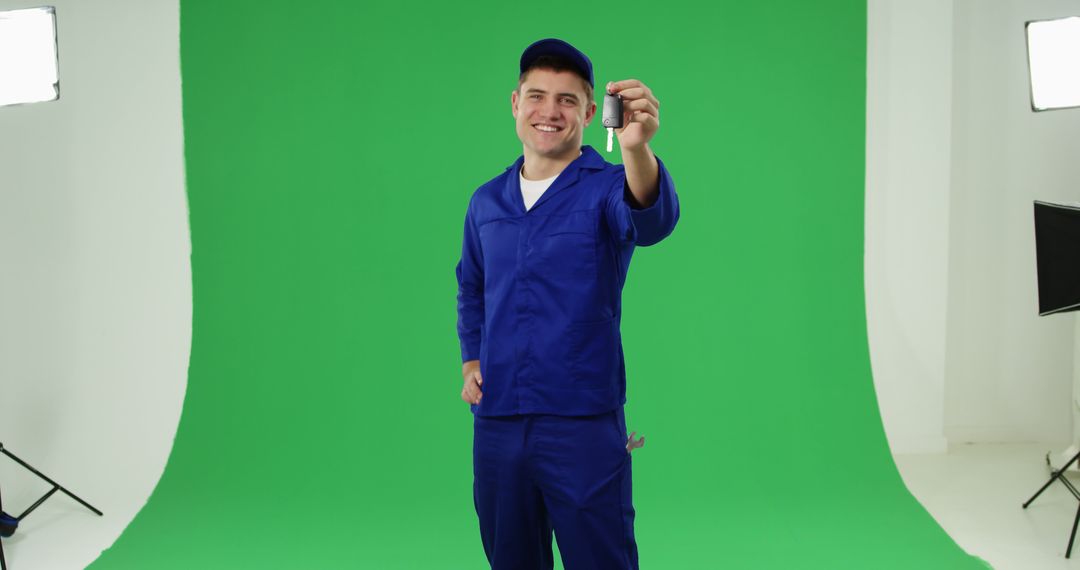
column 1057, row 252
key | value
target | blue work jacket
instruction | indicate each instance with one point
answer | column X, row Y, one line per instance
column 540, row 291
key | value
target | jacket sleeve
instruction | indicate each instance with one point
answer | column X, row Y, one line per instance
column 645, row 226
column 470, row 298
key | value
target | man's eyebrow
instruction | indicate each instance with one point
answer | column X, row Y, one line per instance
column 538, row 90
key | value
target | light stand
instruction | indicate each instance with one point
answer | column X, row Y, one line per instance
column 8, row 523
column 1059, row 475
column 1057, row 239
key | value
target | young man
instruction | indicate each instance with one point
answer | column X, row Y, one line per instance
column 546, row 250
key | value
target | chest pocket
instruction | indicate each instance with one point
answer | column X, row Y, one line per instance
column 567, row 245
column 499, row 242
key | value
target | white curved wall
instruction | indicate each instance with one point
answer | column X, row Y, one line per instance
column 95, row 278
column 908, row 109
column 954, row 159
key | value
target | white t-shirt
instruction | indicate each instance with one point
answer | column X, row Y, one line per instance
column 531, row 190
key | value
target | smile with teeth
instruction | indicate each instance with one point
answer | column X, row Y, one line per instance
column 547, row 128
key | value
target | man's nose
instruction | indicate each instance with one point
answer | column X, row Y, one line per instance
column 551, row 109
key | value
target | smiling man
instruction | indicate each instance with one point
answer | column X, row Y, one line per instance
column 545, row 255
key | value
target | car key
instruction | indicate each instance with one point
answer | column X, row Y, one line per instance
column 612, row 116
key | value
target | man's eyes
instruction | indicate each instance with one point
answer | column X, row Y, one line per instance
column 564, row 100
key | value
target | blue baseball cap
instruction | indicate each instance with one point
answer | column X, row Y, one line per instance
column 552, row 46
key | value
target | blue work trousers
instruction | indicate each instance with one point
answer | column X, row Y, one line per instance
column 535, row 473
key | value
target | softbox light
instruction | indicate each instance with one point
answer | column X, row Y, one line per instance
column 1054, row 63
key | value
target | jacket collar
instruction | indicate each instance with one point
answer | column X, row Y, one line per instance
column 589, row 160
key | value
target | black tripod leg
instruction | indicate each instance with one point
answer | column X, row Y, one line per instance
column 1054, row 477
column 49, row 481
column 1043, row 488
column 3, row 563
column 1072, row 537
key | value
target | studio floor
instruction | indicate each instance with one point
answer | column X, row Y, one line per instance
column 976, row 491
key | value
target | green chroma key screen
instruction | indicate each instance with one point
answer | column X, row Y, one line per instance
column 331, row 149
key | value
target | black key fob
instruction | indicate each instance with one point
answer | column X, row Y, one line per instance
column 612, row 115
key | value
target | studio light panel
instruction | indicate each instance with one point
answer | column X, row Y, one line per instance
column 1054, row 63
column 28, row 63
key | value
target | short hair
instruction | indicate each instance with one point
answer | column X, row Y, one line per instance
column 557, row 63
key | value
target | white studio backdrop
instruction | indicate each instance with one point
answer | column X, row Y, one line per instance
column 955, row 157
column 908, row 109
column 95, row 285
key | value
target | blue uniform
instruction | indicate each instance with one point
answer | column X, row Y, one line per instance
column 539, row 305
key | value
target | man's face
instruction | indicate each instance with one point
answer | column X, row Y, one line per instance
column 551, row 111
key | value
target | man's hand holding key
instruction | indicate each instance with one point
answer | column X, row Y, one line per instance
column 641, row 113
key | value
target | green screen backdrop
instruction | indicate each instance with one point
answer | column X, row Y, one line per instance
column 331, row 150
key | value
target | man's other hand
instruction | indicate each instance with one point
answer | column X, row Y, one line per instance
column 471, row 391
